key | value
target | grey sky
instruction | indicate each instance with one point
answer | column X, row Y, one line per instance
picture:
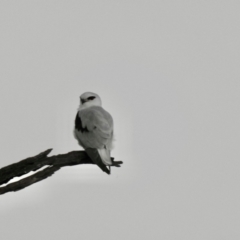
column 168, row 72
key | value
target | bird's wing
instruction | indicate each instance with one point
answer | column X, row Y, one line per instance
column 94, row 131
column 94, row 128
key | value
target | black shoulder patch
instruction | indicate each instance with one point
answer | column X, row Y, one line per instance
column 78, row 124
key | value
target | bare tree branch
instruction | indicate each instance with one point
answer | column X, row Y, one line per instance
column 54, row 163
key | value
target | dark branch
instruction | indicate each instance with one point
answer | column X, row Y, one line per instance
column 54, row 163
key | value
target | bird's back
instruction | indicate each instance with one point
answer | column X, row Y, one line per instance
column 94, row 128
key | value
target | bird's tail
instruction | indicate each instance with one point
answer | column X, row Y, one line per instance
column 96, row 158
column 105, row 156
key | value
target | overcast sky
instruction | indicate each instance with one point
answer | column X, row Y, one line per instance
column 168, row 72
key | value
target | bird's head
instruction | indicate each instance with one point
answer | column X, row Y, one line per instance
column 89, row 99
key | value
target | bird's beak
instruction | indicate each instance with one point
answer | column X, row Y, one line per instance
column 83, row 101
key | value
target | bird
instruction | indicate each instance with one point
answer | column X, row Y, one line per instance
column 94, row 130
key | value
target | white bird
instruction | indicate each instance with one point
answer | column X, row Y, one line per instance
column 94, row 130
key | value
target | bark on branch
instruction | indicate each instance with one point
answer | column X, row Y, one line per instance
column 54, row 163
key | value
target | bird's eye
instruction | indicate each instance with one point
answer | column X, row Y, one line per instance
column 91, row 98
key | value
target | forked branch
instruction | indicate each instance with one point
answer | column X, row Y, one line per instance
column 53, row 163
